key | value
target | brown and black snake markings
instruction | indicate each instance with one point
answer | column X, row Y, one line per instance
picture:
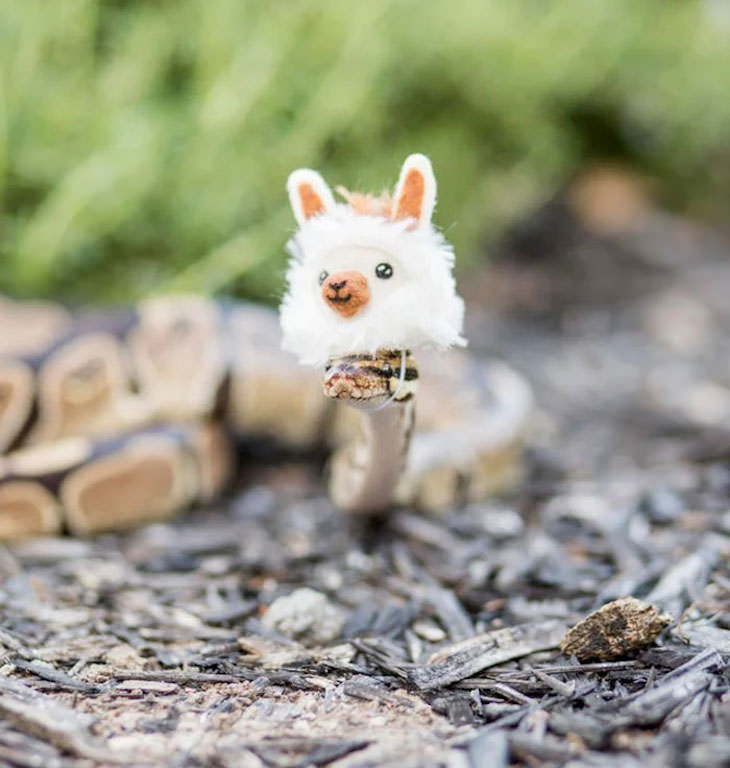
column 110, row 420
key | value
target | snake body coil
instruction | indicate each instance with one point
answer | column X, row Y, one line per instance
column 109, row 420
column 113, row 420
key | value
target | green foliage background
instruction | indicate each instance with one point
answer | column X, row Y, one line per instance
column 144, row 144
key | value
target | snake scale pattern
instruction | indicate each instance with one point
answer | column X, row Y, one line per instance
column 114, row 419
column 108, row 420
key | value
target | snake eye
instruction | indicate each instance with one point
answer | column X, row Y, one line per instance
column 383, row 271
column 323, row 275
column 387, row 370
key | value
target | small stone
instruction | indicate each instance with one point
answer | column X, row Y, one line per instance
column 661, row 506
column 428, row 630
column 614, row 631
column 502, row 523
column 257, row 503
column 124, row 656
column 678, row 320
column 305, row 615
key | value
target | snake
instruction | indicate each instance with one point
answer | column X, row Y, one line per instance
column 111, row 419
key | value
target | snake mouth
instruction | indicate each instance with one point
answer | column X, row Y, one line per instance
column 354, row 385
column 369, row 379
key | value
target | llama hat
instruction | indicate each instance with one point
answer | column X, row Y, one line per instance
column 370, row 273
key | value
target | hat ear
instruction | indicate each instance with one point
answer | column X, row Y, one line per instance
column 309, row 194
column 415, row 193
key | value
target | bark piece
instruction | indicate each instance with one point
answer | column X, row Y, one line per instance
column 615, row 630
column 466, row 658
column 39, row 715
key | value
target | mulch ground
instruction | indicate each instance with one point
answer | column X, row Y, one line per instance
column 432, row 641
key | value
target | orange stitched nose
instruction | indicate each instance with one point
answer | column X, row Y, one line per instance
column 346, row 292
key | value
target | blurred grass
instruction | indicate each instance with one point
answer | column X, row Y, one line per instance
column 144, row 145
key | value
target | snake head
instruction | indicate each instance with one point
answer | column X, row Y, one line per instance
column 369, row 380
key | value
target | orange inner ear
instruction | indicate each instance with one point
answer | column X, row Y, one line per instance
column 311, row 202
column 411, row 196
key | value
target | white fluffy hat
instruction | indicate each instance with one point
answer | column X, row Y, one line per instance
column 409, row 297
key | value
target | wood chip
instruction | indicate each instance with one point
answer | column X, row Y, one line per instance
column 461, row 660
column 147, row 686
column 54, row 722
column 615, row 630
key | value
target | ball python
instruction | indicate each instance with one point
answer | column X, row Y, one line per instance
column 111, row 419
